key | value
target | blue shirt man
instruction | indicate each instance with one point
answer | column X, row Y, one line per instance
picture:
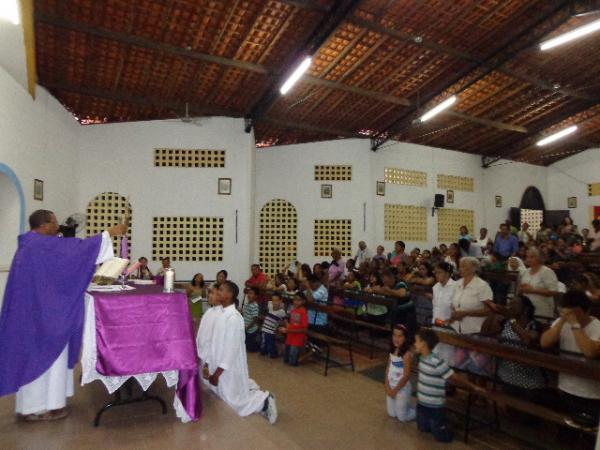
column 506, row 243
column 318, row 293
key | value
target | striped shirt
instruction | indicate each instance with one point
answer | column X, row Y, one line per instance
column 272, row 320
column 431, row 386
column 250, row 314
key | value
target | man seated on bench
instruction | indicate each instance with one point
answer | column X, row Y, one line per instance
column 577, row 332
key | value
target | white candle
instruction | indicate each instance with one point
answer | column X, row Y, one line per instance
column 169, row 280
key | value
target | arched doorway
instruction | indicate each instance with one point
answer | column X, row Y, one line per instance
column 106, row 210
column 278, row 235
column 532, row 209
column 12, row 218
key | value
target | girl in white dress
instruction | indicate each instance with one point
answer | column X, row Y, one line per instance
column 397, row 377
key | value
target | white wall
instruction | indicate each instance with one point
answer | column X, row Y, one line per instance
column 120, row 158
column 569, row 178
column 37, row 140
column 287, row 172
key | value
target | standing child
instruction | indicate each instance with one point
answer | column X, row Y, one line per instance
column 270, row 325
column 431, row 387
column 397, row 378
column 205, row 331
column 295, row 330
column 250, row 313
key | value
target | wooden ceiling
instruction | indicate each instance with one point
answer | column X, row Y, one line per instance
column 377, row 66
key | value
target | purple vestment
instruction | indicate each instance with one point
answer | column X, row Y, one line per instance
column 43, row 305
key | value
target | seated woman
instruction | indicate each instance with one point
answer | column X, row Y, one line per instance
column 352, row 283
column 278, row 283
column 516, row 326
column 196, row 290
column 453, row 255
column 390, row 287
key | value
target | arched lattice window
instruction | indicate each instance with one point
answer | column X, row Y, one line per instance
column 278, row 235
column 106, row 210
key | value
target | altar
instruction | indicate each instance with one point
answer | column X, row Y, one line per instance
column 139, row 334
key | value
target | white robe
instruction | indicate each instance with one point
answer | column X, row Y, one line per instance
column 50, row 390
column 228, row 351
column 205, row 335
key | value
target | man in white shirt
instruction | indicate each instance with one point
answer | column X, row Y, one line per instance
column 577, row 332
column 363, row 254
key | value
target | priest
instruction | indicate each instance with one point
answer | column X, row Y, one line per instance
column 41, row 322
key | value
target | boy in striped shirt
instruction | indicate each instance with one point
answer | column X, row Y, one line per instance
column 271, row 323
column 431, row 387
column 250, row 313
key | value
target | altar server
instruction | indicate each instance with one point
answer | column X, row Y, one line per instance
column 41, row 322
column 228, row 368
column 206, row 330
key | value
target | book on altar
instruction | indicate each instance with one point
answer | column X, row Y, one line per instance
column 110, row 270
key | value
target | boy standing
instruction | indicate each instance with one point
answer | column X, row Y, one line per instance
column 295, row 330
column 431, row 387
column 250, row 313
column 228, row 366
column 270, row 324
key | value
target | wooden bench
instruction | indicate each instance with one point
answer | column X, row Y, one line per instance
column 357, row 323
column 328, row 341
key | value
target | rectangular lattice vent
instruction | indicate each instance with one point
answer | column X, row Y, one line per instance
column 187, row 238
column 333, row 233
column 405, row 223
column 466, row 184
column 105, row 211
column 450, row 221
column 333, row 173
column 533, row 217
column 179, row 157
column 405, row 177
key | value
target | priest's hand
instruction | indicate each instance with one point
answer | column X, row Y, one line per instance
column 117, row 230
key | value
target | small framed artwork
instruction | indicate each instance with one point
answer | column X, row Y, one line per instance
column 38, row 190
column 572, row 202
column 449, row 196
column 326, row 191
column 498, row 201
column 224, row 186
column 381, row 188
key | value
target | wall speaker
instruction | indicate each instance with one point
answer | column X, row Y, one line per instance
column 438, row 202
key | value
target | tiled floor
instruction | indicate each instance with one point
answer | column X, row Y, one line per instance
column 343, row 410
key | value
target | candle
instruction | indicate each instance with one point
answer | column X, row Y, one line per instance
column 169, row 280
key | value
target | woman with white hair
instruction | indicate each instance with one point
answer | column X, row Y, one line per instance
column 540, row 284
column 471, row 293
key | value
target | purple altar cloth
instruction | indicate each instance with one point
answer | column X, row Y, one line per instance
column 146, row 330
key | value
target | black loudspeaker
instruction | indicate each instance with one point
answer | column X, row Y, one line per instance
column 438, row 201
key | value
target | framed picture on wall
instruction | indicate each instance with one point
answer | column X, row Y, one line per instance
column 224, row 186
column 326, row 191
column 572, row 202
column 381, row 188
column 38, row 190
column 498, row 201
column 449, row 196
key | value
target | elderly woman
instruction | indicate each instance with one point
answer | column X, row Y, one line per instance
column 540, row 284
column 337, row 268
column 471, row 294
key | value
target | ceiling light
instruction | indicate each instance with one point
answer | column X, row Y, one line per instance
column 554, row 137
column 438, row 109
column 303, row 67
column 9, row 10
column 571, row 35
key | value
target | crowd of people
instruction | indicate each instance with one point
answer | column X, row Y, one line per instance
column 550, row 307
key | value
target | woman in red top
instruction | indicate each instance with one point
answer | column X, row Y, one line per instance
column 295, row 330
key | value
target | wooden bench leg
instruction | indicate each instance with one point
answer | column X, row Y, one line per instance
column 327, row 360
column 372, row 336
column 468, row 417
column 351, row 356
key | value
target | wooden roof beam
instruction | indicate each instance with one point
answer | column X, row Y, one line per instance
column 420, row 41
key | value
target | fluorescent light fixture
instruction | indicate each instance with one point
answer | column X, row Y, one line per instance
column 556, row 136
column 438, row 109
column 571, row 35
column 303, row 67
column 9, row 10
